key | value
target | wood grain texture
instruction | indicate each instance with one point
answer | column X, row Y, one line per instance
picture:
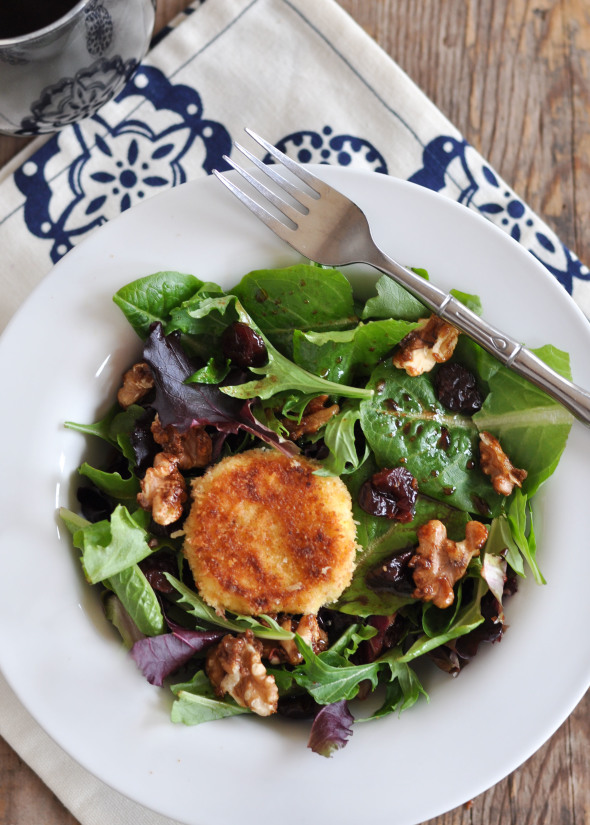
column 514, row 77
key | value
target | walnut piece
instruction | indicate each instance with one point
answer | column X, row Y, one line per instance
column 163, row 490
column 286, row 650
column 192, row 448
column 315, row 415
column 432, row 342
column 439, row 562
column 234, row 666
column 137, row 382
column 496, row 464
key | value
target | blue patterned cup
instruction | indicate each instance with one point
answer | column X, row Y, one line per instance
column 66, row 71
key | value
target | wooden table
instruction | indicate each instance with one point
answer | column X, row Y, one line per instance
column 514, row 77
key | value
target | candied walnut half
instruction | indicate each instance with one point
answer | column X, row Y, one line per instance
column 192, row 448
column 234, row 666
column 137, row 382
column 315, row 415
column 432, row 342
column 163, row 490
column 286, row 650
column 496, row 464
column 439, row 562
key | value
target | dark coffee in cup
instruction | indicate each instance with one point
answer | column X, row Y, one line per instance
column 19, row 17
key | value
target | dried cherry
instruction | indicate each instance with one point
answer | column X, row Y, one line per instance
column 393, row 575
column 456, row 389
column 243, row 345
column 390, row 493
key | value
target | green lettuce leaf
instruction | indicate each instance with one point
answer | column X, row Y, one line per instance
column 109, row 547
column 197, row 703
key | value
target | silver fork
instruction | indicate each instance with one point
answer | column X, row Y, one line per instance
column 327, row 227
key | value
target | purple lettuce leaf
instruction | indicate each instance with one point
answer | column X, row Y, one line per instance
column 186, row 405
column 159, row 656
column 331, row 729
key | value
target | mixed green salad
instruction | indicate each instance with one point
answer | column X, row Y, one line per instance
column 299, row 337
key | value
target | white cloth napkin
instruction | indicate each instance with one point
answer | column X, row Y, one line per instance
column 304, row 75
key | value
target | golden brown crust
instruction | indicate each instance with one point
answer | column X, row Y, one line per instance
column 266, row 535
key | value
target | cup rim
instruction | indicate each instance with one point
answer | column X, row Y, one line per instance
column 61, row 22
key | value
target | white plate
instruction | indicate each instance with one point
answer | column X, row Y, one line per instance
column 61, row 358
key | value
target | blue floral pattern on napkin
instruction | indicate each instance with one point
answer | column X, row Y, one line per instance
column 118, row 164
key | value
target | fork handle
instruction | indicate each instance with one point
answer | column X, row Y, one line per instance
column 507, row 350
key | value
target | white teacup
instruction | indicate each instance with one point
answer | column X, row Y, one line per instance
column 65, row 71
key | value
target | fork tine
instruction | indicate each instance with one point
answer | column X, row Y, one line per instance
column 288, row 211
column 277, row 226
column 297, row 194
column 295, row 168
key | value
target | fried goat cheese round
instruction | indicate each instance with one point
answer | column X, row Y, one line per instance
column 266, row 535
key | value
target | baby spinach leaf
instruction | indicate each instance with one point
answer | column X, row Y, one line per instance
column 342, row 356
column 393, row 301
column 531, row 427
column 300, row 297
column 405, row 423
column 154, row 297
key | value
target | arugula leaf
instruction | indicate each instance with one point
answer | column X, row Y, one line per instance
column 303, row 297
column 153, row 298
column 340, row 438
column 401, row 693
column 115, row 428
column 196, row 702
column 329, row 683
column 196, row 607
column 113, row 484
